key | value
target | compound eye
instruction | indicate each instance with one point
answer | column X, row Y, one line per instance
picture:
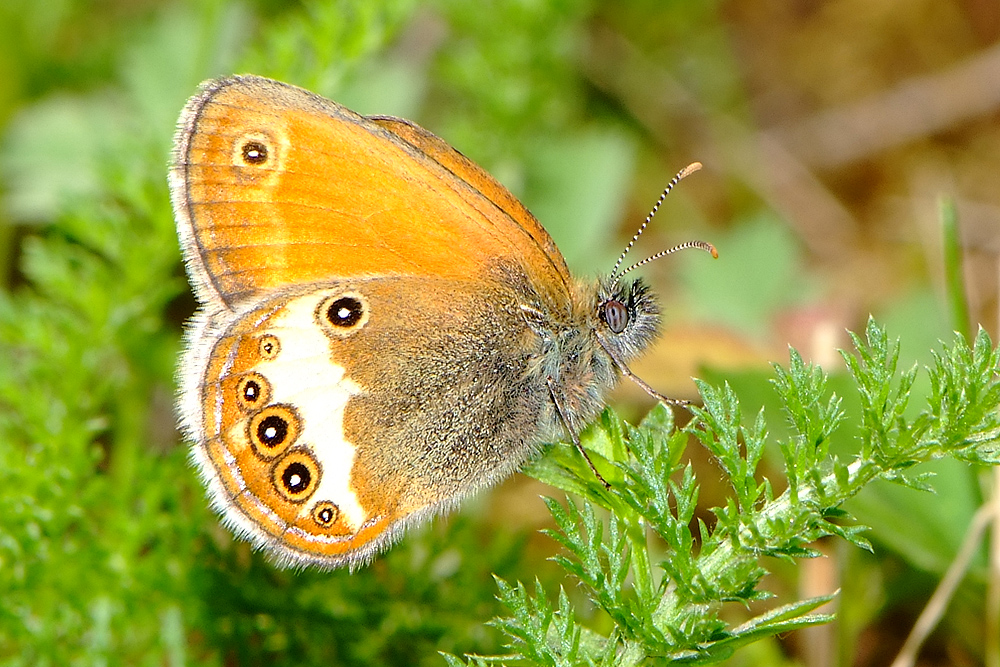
column 615, row 315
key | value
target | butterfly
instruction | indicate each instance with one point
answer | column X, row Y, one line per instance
column 383, row 328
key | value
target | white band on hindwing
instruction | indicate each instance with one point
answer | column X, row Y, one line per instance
column 304, row 375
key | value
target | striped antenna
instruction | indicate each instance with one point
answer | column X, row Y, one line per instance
column 686, row 171
column 702, row 245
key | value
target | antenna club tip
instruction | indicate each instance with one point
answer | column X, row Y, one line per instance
column 690, row 169
column 706, row 246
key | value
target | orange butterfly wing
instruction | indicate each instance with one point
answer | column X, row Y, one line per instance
column 275, row 186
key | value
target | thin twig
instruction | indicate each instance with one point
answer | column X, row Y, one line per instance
column 936, row 606
column 914, row 108
column 991, row 641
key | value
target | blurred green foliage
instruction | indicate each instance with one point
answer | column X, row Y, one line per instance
column 108, row 553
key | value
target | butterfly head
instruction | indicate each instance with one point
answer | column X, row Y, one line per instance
column 628, row 316
column 627, row 312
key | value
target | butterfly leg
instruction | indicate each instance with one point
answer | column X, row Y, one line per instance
column 679, row 402
column 572, row 432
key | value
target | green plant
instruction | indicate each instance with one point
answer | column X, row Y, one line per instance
column 671, row 607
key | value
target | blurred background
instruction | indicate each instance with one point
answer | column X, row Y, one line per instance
column 836, row 138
